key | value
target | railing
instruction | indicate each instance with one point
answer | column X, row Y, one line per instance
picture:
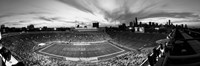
column 159, row 53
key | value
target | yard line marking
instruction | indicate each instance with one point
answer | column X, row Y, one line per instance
column 103, row 54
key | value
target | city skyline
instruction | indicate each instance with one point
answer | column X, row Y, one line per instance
column 68, row 13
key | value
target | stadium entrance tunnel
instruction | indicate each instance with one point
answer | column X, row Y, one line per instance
column 83, row 51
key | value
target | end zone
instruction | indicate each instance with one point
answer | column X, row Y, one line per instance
column 82, row 59
column 81, row 43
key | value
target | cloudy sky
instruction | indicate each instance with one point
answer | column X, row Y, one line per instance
column 60, row 13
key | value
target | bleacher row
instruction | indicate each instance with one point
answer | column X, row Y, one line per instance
column 136, row 40
column 132, row 58
column 21, row 44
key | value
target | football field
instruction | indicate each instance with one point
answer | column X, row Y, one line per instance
column 82, row 50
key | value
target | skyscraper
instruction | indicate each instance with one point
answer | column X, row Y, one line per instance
column 2, row 26
column 182, row 26
column 153, row 24
column 95, row 25
column 30, row 27
column 136, row 22
column 140, row 24
column 136, row 19
column 131, row 24
column 150, row 23
column 186, row 26
column 169, row 23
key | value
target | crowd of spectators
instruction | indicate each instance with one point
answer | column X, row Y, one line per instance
column 136, row 40
column 62, row 36
column 132, row 58
column 21, row 46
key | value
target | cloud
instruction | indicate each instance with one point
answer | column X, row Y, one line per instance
column 173, row 15
column 17, row 22
column 77, row 4
column 187, row 20
column 19, row 14
column 176, row 18
column 107, row 12
column 47, row 19
column 116, row 10
column 54, row 19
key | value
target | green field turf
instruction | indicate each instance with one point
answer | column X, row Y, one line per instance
column 82, row 51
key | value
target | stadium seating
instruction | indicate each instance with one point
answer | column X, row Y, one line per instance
column 22, row 44
column 136, row 40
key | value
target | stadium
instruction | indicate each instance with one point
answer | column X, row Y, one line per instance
column 75, row 48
